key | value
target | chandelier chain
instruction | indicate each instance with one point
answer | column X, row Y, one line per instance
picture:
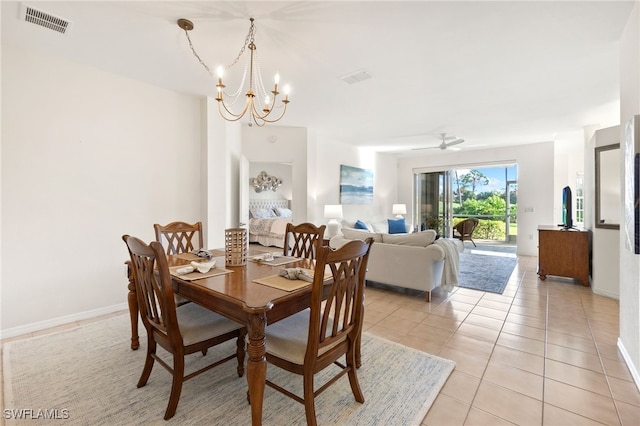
column 196, row 54
column 249, row 39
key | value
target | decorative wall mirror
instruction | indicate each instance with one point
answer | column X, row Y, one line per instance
column 608, row 186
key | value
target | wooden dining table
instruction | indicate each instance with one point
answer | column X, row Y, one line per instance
column 236, row 296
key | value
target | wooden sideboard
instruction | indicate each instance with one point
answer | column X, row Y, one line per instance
column 564, row 253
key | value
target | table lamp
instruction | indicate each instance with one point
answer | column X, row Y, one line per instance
column 399, row 210
column 333, row 212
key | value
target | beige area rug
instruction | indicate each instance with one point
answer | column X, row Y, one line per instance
column 88, row 376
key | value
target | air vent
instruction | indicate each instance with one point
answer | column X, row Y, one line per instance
column 356, row 77
column 44, row 19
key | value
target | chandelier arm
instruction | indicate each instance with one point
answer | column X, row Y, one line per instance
column 265, row 117
column 237, row 116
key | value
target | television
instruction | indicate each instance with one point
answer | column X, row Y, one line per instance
column 567, row 211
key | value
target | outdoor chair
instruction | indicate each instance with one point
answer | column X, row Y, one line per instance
column 464, row 230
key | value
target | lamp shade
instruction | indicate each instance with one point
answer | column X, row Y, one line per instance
column 333, row 211
column 399, row 209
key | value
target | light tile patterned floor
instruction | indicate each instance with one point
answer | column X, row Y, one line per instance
column 542, row 353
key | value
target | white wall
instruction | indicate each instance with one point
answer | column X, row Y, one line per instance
column 629, row 341
column 329, row 155
column 87, row 156
column 536, row 188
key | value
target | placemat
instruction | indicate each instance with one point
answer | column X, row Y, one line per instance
column 285, row 284
column 277, row 261
column 197, row 275
column 191, row 256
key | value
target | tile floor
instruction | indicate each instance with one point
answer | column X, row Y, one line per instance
column 542, row 353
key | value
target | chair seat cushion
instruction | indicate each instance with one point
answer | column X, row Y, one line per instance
column 197, row 323
column 287, row 339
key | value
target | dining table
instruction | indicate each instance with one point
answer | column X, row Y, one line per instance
column 244, row 294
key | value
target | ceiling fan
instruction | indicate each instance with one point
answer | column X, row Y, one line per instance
column 444, row 144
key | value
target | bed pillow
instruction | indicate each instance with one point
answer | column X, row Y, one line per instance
column 262, row 213
column 397, row 226
column 282, row 212
column 360, row 225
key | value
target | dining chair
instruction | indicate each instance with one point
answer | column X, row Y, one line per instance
column 464, row 230
column 181, row 330
column 179, row 237
column 303, row 240
column 316, row 338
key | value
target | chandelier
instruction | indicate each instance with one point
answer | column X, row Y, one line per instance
column 262, row 105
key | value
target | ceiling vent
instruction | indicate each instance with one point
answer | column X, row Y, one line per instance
column 44, row 19
column 356, row 77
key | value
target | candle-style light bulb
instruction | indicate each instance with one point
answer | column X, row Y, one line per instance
column 267, row 101
column 287, row 90
column 276, row 79
column 220, row 71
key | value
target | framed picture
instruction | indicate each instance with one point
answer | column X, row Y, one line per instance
column 356, row 185
column 632, row 185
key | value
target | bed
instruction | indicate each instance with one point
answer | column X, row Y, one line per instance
column 268, row 221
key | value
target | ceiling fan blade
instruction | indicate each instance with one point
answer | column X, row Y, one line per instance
column 426, row 147
column 456, row 142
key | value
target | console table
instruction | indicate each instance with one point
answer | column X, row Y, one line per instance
column 564, row 253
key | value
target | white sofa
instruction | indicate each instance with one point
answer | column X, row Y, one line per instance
column 412, row 261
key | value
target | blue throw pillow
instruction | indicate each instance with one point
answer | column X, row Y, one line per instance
column 397, row 226
column 360, row 225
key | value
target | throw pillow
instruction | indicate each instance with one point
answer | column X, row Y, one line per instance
column 419, row 239
column 397, row 226
column 360, row 225
column 382, row 227
column 359, row 234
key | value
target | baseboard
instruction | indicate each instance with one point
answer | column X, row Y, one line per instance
column 632, row 368
column 605, row 293
column 54, row 322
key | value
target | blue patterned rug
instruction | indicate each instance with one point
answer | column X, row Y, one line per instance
column 485, row 271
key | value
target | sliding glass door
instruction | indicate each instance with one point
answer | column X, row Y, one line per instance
column 488, row 193
column 433, row 202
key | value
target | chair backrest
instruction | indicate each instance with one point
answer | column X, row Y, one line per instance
column 303, row 240
column 179, row 237
column 467, row 226
column 335, row 320
column 153, row 288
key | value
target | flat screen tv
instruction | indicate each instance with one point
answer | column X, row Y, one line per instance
column 567, row 212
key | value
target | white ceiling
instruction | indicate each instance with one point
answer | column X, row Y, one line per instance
column 494, row 73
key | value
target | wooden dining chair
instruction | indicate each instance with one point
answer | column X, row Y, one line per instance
column 303, row 240
column 316, row 338
column 179, row 237
column 182, row 330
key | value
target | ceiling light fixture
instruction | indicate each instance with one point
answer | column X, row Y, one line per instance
column 261, row 105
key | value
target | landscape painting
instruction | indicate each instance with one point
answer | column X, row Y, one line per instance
column 356, row 185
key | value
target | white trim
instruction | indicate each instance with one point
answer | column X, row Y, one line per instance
column 605, row 293
column 627, row 359
column 54, row 322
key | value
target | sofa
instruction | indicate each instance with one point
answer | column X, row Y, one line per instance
column 414, row 261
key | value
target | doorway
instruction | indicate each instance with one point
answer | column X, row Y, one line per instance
column 488, row 193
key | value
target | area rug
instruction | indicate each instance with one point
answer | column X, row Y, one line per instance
column 88, row 376
column 485, row 270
